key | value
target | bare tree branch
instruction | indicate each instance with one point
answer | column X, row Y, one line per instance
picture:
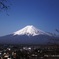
column 3, row 5
column 57, row 30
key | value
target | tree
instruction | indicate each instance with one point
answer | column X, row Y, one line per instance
column 57, row 30
column 4, row 5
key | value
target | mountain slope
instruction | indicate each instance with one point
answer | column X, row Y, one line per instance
column 30, row 30
column 27, row 35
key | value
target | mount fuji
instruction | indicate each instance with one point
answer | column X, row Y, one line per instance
column 30, row 31
column 27, row 35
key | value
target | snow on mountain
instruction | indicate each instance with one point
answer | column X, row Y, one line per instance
column 28, row 35
column 30, row 30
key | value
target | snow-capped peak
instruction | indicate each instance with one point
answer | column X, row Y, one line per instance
column 29, row 30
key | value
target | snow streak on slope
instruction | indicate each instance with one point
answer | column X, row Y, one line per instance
column 29, row 30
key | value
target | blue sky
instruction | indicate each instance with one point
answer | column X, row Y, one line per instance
column 43, row 14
